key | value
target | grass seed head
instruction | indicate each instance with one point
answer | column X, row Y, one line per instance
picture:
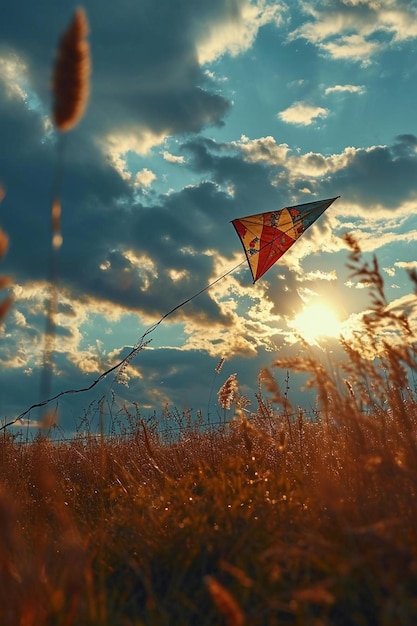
column 227, row 392
column 71, row 75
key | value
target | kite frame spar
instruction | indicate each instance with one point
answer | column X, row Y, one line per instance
column 291, row 227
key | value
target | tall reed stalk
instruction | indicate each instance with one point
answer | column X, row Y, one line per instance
column 70, row 89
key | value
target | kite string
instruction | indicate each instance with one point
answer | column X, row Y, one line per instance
column 138, row 346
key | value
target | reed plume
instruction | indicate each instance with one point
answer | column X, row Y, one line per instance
column 70, row 81
column 227, row 392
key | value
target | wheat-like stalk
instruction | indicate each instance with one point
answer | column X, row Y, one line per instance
column 70, row 81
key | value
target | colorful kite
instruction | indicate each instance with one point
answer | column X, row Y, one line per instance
column 267, row 236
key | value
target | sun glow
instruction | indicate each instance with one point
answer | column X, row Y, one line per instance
column 316, row 321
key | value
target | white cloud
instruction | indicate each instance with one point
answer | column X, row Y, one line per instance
column 172, row 158
column 354, row 47
column 410, row 265
column 302, row 113
column 20, row 319
column 236, row 33
column 263, row 149
column 352, row 29
column 313, row 164
column 144, row 266
column 117, row 145
column 176, row 275
column 321, row 275
column 144, row 178
column 14, row 75
column 308, row 165
column 359, row 89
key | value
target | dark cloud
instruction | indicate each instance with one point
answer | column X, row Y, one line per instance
column 382, row 174
column 145, row 65
column 252, row 183
column 27, row 169
column 405, row 146
column 146, row 73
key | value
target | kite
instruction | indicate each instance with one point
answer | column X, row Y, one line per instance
column 266, row 237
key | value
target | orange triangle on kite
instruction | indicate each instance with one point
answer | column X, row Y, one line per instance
column 267, row 236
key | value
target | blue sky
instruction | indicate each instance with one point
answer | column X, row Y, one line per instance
column 200, row 113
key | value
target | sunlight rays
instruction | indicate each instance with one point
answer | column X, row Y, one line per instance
column 316, row 321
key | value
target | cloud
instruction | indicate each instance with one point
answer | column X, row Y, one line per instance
column 410, row 265
column 381, row 175
column 116, row 147
column 148, row 79
column 357, row 30
column 13, row 73
column 235, row 32
column 320, row 275
column 172, row 158
column 359, row 89
column 302, row 113
column 354, row 47
column 144, row 178
column 263, row 149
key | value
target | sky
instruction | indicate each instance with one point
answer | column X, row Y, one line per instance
column 199, row 113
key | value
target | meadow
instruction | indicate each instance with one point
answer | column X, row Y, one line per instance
column 267, row 518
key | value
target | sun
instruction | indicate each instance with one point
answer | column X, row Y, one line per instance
column 316, row 321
